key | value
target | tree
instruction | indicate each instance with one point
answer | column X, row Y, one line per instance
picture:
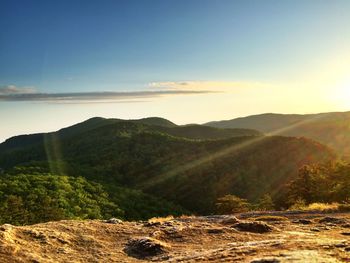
column 265, row 203
column 13, row 210
column 323, row 183
column 231, row 204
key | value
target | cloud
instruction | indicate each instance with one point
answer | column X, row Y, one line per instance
column 215, row 86
column 27, row 95
column 12, row 89
column 154, row 89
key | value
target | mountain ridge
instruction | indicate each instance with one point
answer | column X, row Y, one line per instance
column 330, row 128
column 97, row 122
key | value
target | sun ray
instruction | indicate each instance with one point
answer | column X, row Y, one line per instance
column 54, row 154
column 228, row 150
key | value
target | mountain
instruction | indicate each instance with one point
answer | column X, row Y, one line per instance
column 153, row 123
column 156, row 121
column 188, row 166
column 332, row 129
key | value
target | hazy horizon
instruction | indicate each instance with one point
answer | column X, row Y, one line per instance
column 177, row 123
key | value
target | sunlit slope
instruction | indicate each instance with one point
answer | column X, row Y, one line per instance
column 191, row 173
column 332, row 129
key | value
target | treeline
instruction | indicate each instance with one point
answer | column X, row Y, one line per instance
column 28, row 195
column 323, row 183
column 320, row 186
column 29, row 199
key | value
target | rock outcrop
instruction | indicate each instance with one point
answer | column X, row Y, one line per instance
column 322, row 238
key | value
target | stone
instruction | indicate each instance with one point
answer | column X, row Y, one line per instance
column 114, row 221
column 265, row 260
column 332, row 220
column 303, row 221
column 254, row 227
column 6, row 227
column 150, row 224
column 215, row 231
column 145, row 247
column 315, row 229
column 229, row 220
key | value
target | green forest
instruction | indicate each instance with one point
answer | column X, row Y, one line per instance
column 138, row 169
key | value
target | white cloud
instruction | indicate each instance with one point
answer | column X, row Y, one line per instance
column 215, row 86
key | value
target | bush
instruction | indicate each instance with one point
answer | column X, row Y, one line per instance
column 265, row 203
column 322, row 207
column 298, row 205
column 231, row 204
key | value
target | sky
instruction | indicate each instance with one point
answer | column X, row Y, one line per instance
column 189, row 61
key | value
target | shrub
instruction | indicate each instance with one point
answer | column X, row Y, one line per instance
column 298, row 205
column 265, row 203
column 231, row 204
column 322, row 207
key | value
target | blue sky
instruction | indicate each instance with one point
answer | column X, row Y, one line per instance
column 213, row 47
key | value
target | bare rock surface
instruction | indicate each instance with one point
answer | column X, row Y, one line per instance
column 185, row 239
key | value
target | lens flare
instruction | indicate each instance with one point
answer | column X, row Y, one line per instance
column 54, row 153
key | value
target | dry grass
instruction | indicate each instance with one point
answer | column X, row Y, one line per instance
column 160, row 219
column 323, row 207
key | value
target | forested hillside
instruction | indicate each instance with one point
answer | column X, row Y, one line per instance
column 147, row 170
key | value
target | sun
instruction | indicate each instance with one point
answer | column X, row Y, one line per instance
column 342, row 93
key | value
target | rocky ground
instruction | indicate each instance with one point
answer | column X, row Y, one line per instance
column 250, row 238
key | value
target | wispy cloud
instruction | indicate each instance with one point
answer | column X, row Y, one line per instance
column 12, row 89
column 154, row 89
column 13, row 93
column 214, row 86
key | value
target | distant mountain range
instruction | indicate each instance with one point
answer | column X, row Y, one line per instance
column 192, row 131
column 332, row 129
column 189, row 166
